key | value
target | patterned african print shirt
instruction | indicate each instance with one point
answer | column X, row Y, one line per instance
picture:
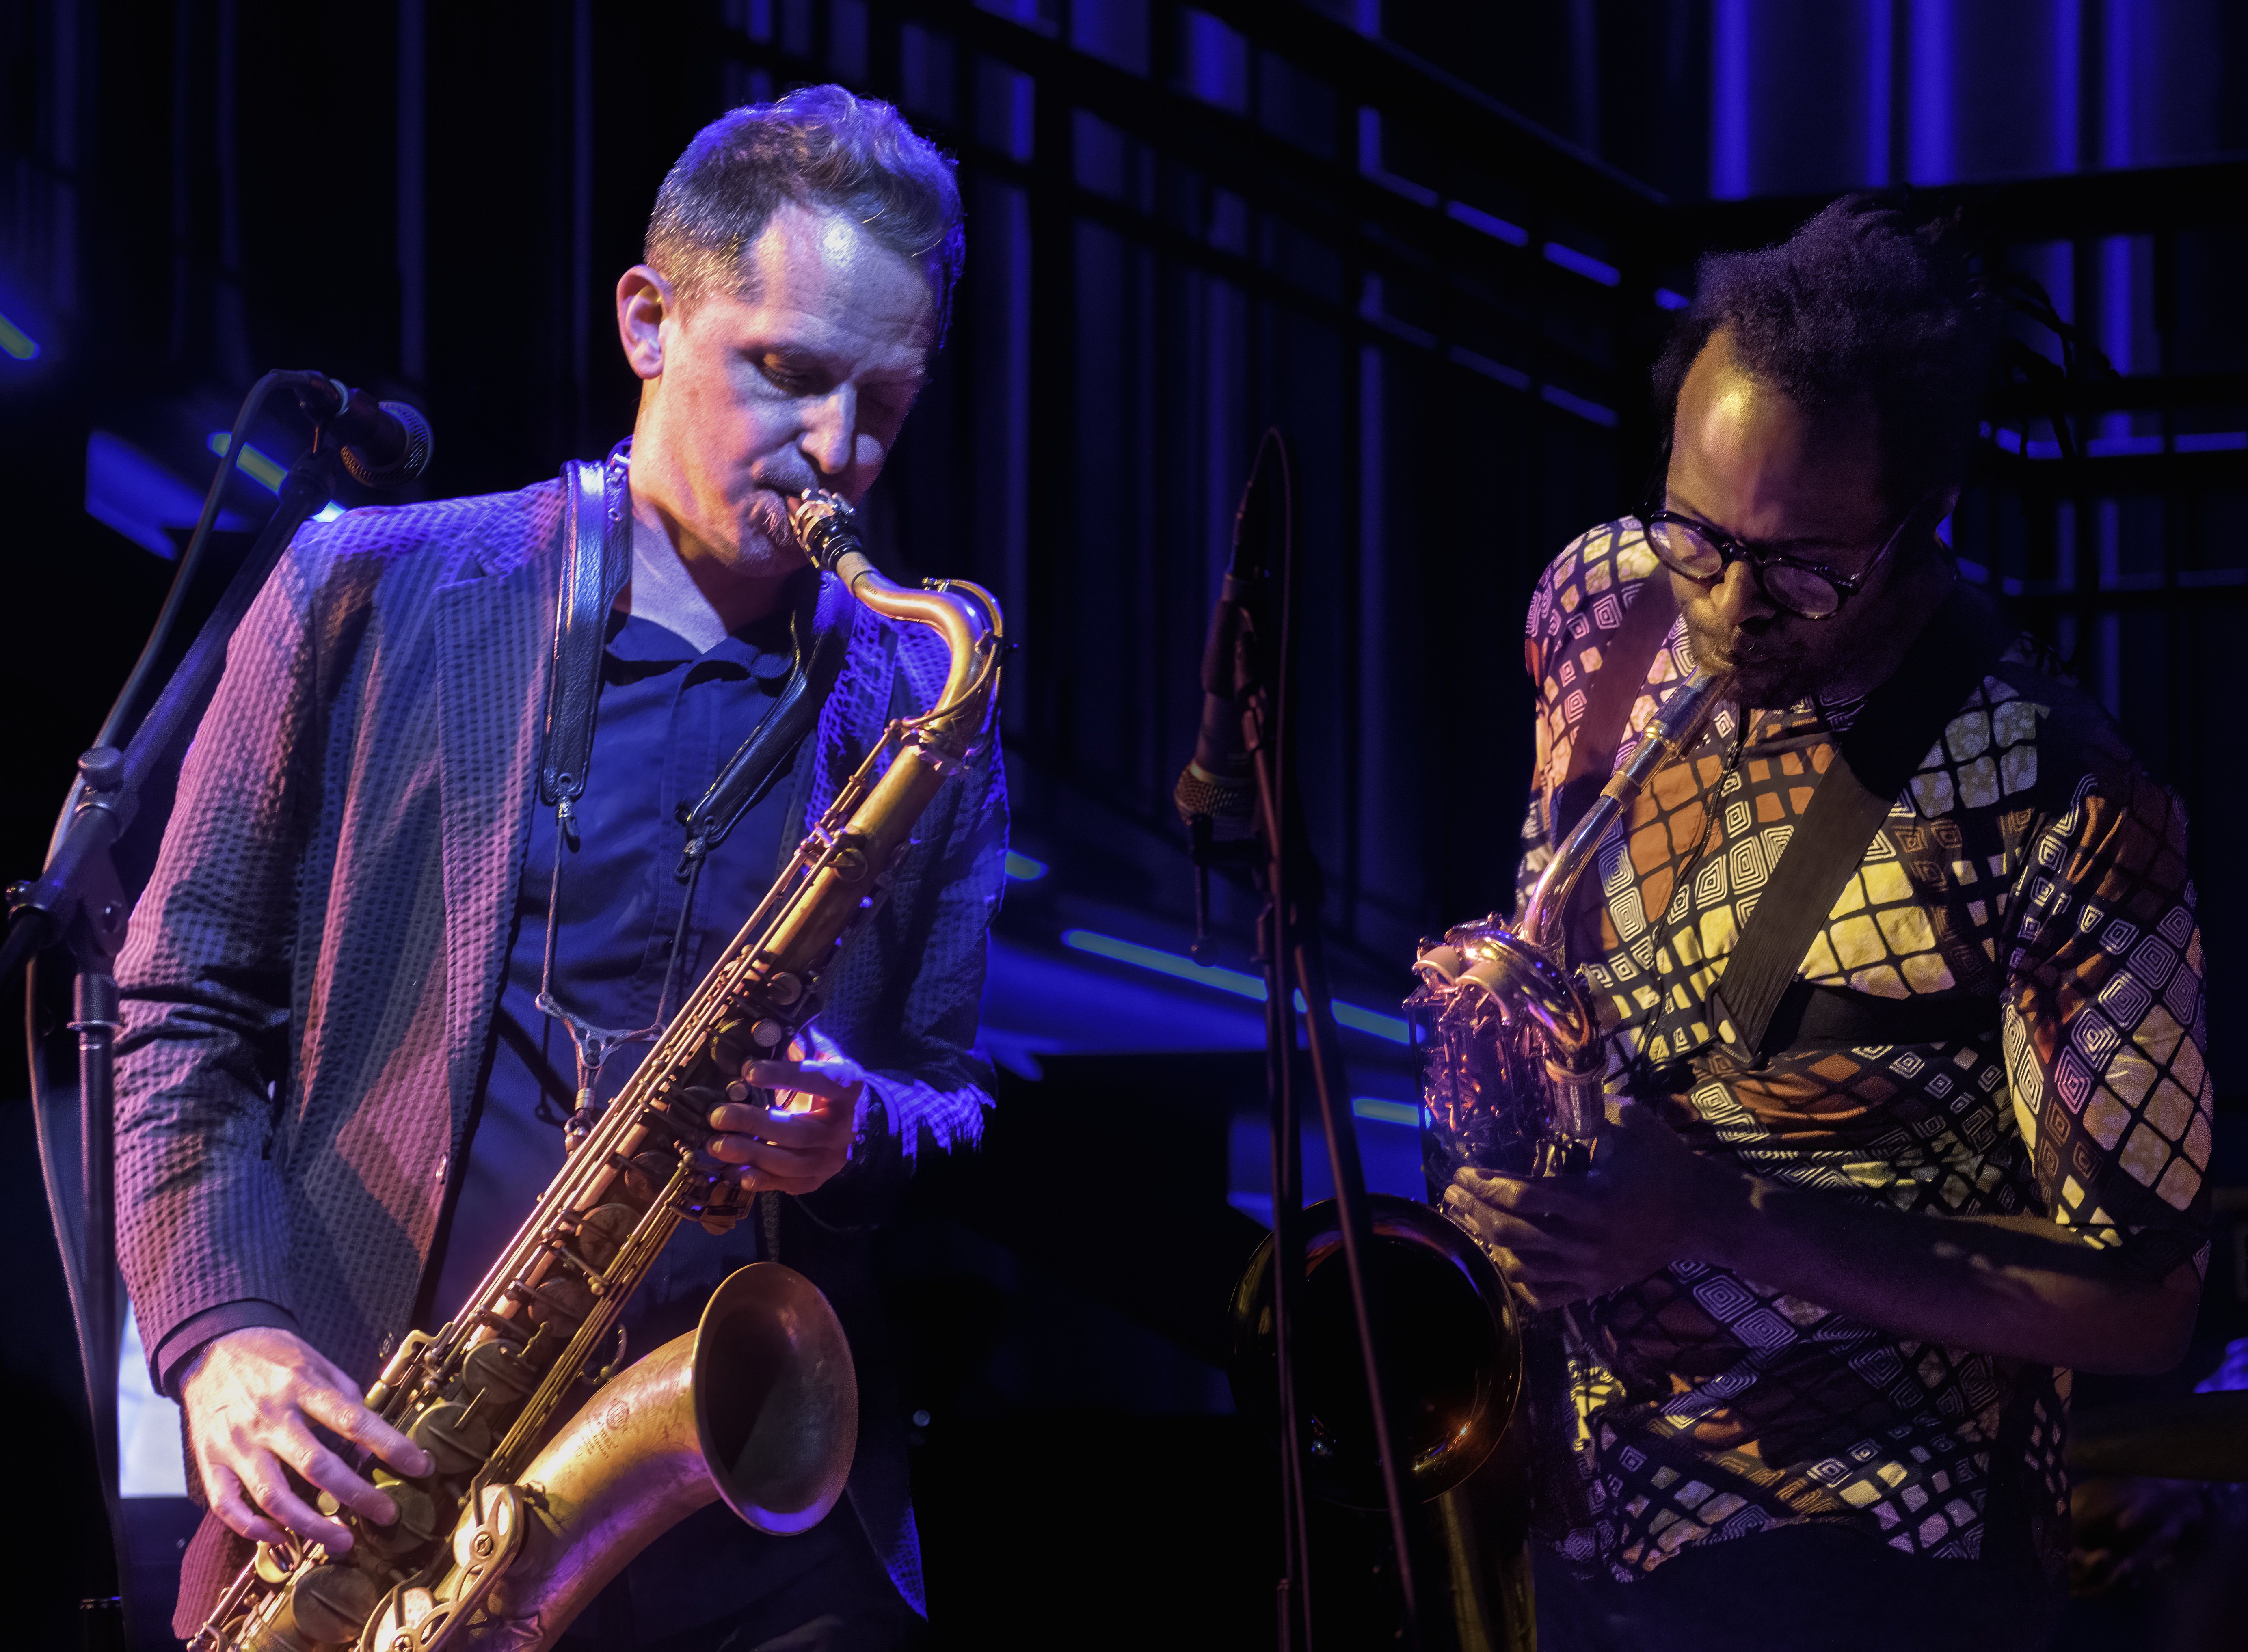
column 2032, row 864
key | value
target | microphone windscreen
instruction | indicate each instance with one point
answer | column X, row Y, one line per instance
column 1230, row 805
column 411, row 461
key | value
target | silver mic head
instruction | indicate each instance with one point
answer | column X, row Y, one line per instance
column 421, row 443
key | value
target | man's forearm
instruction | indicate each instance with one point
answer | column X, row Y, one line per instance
column 2016, row 1287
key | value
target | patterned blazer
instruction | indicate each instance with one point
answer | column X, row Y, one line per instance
column 312, row 974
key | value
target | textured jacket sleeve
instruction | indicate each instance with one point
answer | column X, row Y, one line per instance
column 205, row 982
column 903, row 999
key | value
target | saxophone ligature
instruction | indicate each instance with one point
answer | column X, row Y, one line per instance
column 551, row 1472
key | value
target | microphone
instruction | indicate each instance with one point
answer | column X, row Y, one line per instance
column 1217, row 792
column 385, row 444
column 1216, row 784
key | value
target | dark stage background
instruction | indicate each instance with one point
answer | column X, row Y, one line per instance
column 1437, row 243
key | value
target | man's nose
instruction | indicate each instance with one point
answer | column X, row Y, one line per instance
column 1739, row 598
column 832, row 431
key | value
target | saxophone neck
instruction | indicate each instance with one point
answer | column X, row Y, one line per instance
column 966, row 616
column 1670, row 735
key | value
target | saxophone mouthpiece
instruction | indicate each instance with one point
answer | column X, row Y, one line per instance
column 825, row 526
column 1683, row 720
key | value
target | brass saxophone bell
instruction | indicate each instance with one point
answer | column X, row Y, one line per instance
column 1452, row 1351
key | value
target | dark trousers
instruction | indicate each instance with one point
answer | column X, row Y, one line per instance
column 1810, row 1587
column 714, row 1584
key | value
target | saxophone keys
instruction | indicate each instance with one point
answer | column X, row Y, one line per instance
column 491, row 1538
column 329, row 1604
column 273, row 1567
column 454, row 1441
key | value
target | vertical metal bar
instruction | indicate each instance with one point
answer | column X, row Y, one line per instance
column 229, row 321
column 412, row 249
column 2164, row 299
column 1052, row 479
column 1357, row 787
column 1900, row 91
column 1292, row 868
column 184, row 127
column 1295, row 1589
column 93, row 1017
column 579, row 320
column 1585, row 75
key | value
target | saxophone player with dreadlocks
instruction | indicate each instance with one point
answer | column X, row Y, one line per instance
column 1900, row 988
column 381, row 969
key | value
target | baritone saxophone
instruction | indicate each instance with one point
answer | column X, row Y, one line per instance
column 552, row 1472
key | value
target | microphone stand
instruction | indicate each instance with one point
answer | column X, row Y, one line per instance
column 78, row 903
column 1293, row 954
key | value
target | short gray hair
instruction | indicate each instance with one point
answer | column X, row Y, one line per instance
column 817, row 146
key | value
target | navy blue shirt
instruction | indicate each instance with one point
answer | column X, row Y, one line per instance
column 667, row 721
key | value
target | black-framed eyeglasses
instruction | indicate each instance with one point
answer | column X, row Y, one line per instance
column 1808, row 590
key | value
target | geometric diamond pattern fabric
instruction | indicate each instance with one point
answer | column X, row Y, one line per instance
column 2030, row 861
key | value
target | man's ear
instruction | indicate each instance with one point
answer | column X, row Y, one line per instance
column 644, row 301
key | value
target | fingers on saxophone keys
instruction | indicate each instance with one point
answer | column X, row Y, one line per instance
column 737, row 1119
column 268, row 1485
column 734, row 1145
column 337, row 1410
column 231, row 1502
column 1508, row 1193
column 334, row 1476
column 788, row 1075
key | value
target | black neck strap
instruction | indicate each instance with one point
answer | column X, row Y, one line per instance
column 1873, row 760
column 821, row 627
column 596, row 561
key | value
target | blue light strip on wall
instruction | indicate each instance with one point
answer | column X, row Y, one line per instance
column 16, row 342
column 258, row 465
column 1583, row 264
column 1381, row 1112
column 1023, row 869
column 1239, row 983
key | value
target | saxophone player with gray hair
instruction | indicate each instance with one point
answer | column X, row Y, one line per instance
column 1900, row 991
column 376, row 948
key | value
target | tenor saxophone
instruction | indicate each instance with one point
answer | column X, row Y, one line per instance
column 550, row 1472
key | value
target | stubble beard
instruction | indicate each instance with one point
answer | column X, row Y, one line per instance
column 1761, row 684
column 766, row 545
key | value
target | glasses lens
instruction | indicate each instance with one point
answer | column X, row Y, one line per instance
column 1685, row 550
column 1813, row 595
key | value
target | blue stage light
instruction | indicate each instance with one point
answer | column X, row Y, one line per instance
column 258, row 465
column 16, row 342
column 1381, row 1112
column 1583, row 264
column 1239, row 983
